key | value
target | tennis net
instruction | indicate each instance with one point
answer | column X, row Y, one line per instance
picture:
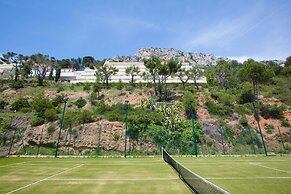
column 195, row 183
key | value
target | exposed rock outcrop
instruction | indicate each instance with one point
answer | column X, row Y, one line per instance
column 105, row 135
column 168, row 53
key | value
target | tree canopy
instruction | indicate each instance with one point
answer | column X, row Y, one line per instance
column 256, row 73
column 132, row 71
column 104, row 72
column 288, row 62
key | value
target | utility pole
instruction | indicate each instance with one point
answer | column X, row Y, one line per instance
column 193, row 129
column 126, row 120
column 61, row 126
column 257, row 118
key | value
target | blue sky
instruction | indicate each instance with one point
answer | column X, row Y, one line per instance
column 259, row 29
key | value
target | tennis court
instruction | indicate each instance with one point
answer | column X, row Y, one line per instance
column 142, row 175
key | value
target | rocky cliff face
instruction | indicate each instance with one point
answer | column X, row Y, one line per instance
column 168, row 53
column 104, row 135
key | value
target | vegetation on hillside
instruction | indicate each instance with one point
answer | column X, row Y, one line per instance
column 165, row 117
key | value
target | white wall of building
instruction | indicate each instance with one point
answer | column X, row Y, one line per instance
column 88, row 75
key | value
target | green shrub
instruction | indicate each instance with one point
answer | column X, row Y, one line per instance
column 2, row 104
column 19, row 104
column 50, row 114
column 226, row 99
column 159, row 134
column 116, row 137
column 228, row 133
column 119, row 85
column 116, row 112
column 218, row 109
column 269, row 128
column 75, row 133
column 60, row 88
column 16, row 85
column 191, row 89
column 97, row 87
column 36, row 121
column 269, row 111
column 40, row 104
column 186, row 101
column 80, row 102
column 93, row 98
column 286, row 71
column 243, row 109
column 98, row 152
column 57, row 100
column 111, row 116
column 4, row 125
column 85, row 116
column 214, row 95
column 100, row 107
column 129, row 88
column 285, row 123
column 246, row 136
column 243, row 121
column 87, row 153
column 26, row 110
column 72, row 86
column 246, row 97
column 50, row 130
column 87, row 87
column 209, row 143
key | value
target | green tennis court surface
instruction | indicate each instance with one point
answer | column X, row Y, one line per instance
column 142, row 175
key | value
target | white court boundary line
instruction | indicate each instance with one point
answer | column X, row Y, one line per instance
column 102, row 161
column 44, row 179
column 117, row 179
column 270, row 168
column 99, row 165
column 12, row 164
column 154, row 179
column 248, row 178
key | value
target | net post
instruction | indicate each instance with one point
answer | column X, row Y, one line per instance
column 257, row 119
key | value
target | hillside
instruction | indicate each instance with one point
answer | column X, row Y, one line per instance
column 101, row 131
column 159, row 112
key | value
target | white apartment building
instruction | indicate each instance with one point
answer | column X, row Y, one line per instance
column 88, row 75
column 5, row 67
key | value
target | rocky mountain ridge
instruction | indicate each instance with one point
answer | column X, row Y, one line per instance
column 195, row 58
column 168, row 53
